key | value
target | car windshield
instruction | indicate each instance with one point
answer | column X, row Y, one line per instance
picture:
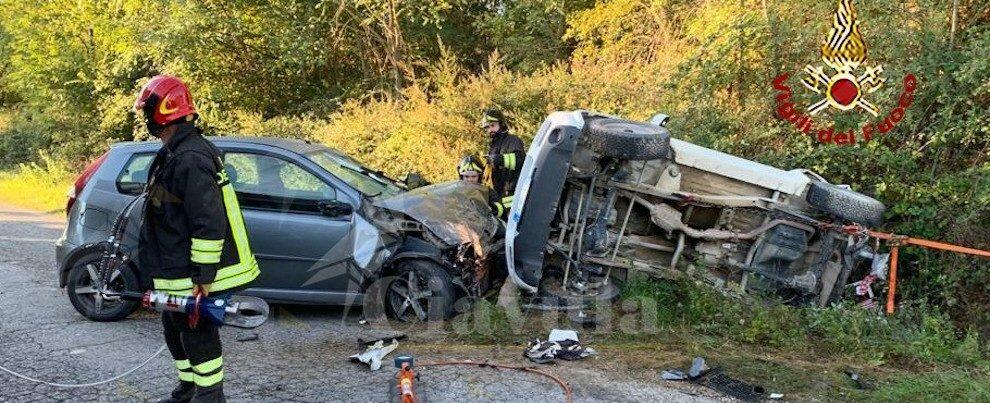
column 366, row 181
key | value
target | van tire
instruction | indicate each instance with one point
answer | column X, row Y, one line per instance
column 627, row 140
column 846, row 204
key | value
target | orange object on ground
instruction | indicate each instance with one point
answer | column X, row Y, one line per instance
column 892, row 280
column 406, row 376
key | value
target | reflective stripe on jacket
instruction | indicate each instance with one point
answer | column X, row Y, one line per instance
column 509, row 149
column 193, row 231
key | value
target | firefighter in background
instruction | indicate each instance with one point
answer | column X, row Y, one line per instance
column 193, row 240
column 505, row 158
column 471, row 169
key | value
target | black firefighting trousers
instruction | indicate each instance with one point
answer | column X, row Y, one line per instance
column 196, row 351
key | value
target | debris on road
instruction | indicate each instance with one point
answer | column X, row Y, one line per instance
column 858, row 380
column 673, row 375
column 366, row 343
column 247, row 337
column 716, row 379
column 562, row 344
column 374, row 353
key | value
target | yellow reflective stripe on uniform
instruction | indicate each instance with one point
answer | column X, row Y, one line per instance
column 231, row 279
column 187, row 376
column 509, row 160
column 206, row 251
column 246, row 269
column 209, row 380
column 170, row 285
column 208, row 366
column 207, row 245
column 204, row 257
column 185, row 370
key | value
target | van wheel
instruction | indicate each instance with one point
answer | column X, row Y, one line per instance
column 846, row 204
column 420, row 291
column 553, row 291
column 83, row 296
column 627, row 140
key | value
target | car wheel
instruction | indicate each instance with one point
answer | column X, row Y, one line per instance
column 420, row 291
column 846, row 204
column 83, row 296
column 627, row 140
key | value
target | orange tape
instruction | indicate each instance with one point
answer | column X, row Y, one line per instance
column 896, row 241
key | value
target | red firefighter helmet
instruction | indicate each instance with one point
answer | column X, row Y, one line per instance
column 165, row 99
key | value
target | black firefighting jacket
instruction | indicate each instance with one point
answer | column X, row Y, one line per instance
column 507, row 155
column 193, row 231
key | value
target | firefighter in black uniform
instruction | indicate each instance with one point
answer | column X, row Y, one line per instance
column 193, row 240
column 505, row 158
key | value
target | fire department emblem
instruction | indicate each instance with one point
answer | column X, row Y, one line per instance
column 844, row 53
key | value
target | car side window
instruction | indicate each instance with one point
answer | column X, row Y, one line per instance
column 134, row 176
column 268, row 182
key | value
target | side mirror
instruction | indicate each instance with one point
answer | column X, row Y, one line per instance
column 414, row 180
column 335, row 208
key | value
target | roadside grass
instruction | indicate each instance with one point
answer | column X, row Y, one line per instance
column 804, row 353
column 37, row 186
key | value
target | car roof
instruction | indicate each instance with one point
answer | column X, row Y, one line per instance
column 292, row 145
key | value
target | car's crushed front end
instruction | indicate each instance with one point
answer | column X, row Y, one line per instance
column 455, row 220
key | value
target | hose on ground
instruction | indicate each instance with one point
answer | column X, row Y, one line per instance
column 85, row 385
column 563, row 384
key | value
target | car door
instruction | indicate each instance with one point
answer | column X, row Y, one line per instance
column 294, row 242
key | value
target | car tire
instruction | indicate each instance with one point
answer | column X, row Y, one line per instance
column 626, row 140
column 846, row 204
column 82, row 293
column 419, row 291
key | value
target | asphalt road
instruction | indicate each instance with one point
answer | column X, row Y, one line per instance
column 299, row 355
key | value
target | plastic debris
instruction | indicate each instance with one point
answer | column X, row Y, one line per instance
column 697, row 366
column 374, row 353
column 673, row 375
column 559, row 335
column 562, row 344
column 715, row 379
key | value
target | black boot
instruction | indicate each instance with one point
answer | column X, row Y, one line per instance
column 212, row 394
column 182, row 393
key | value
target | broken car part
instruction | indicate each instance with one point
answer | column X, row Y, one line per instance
column 373, row 354
column 716, row 379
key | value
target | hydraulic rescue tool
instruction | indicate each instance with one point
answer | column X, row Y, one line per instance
column 238, row 311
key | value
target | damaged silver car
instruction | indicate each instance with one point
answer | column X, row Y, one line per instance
column 324, row 229
column 601, row 199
